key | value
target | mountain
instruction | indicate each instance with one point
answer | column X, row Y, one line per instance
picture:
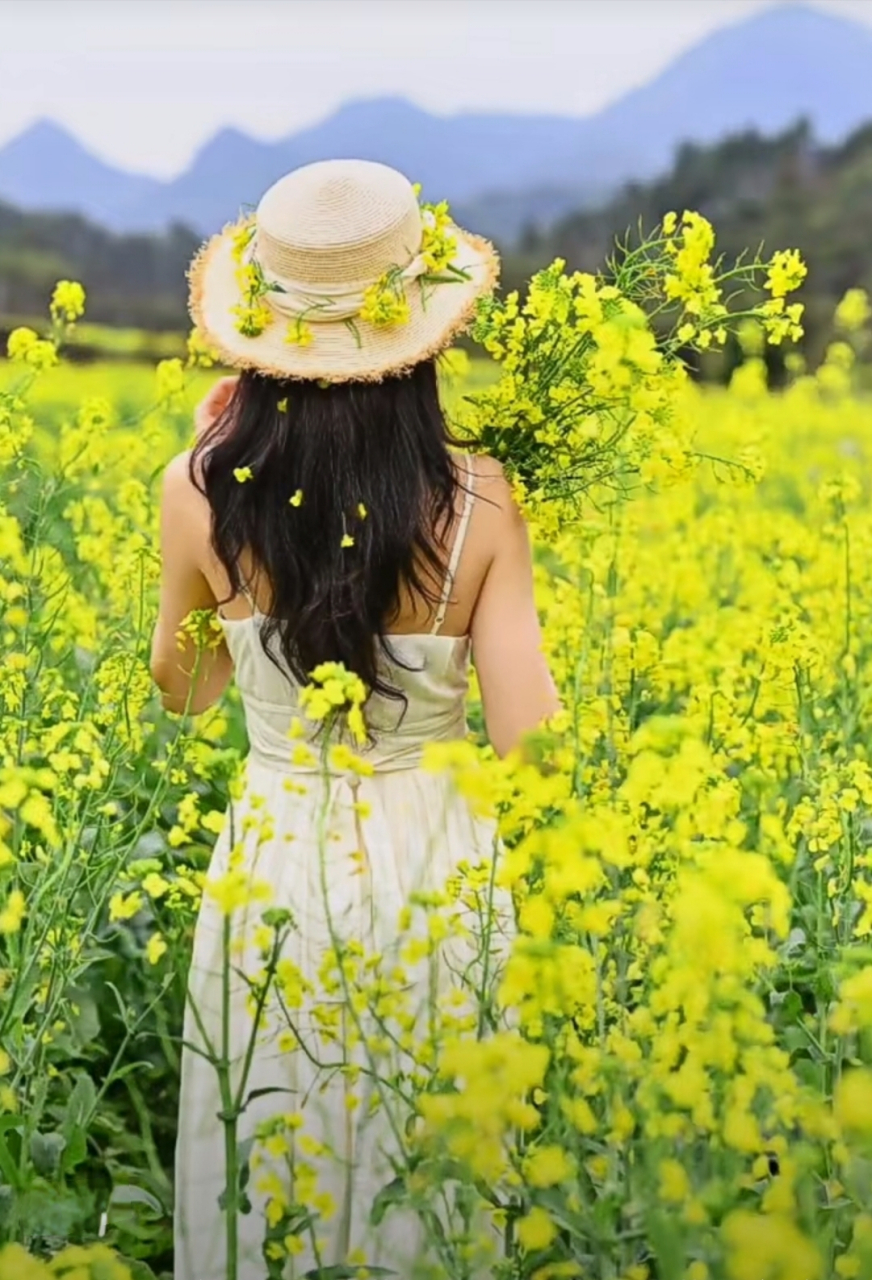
column 785, row 63
column 459, row 156
column 45, row 167
column 501, row 170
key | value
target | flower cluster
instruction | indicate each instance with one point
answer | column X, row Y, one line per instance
column 67, row 302
column 252, row 313
column 26, row 347
column 334, row 692
column 853, row 312
column 596, row 414
column 170, row 382
column 201, row 628
column 200, row 354
column 299, row 333
column 438, row 241
column 385, row 303
column 75, row 1262
column 691, row 279
column 698, row 285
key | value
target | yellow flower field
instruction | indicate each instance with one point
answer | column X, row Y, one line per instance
column 670, row 1076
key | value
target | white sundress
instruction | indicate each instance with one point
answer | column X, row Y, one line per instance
column 414, row 832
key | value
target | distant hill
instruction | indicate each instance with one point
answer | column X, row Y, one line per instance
column 47, row 168
column 457, row 156
column 501, row 171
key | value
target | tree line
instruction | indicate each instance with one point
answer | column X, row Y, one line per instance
column 776, row 192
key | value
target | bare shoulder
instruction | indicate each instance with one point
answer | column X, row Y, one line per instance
column 487, row 476
column 492, row 484
column 178, row 479
column 488, row 471
column 179, row 490
column 177, row 472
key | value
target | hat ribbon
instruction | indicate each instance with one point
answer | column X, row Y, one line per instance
column 327, row 302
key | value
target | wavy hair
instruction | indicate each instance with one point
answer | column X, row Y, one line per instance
column 368, row 462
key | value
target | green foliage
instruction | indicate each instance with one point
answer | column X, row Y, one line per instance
column 772, row 192
column 137, row 281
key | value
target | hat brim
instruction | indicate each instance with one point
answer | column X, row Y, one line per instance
column 339, row 352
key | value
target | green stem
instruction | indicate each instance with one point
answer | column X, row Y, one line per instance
column 229, row 1116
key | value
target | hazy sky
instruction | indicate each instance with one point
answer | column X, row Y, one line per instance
column 144, row 82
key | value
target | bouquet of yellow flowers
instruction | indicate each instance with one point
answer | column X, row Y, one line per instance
column 588, row 398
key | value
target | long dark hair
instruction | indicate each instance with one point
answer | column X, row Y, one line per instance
column 371, row 462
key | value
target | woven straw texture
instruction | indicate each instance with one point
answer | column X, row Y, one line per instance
column 338, row 223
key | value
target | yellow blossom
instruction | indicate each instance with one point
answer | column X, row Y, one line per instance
column 68, row 301
column 155, row 948
column 12, row 912
column 536, row 1230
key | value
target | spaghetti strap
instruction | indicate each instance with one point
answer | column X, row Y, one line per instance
column 246, row 593
column 459, row 539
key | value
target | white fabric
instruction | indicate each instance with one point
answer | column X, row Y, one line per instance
column 459, row 539
column 415, row 834
column 326, row 302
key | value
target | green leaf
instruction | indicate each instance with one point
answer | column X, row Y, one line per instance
column 84, row 1025
column 245, row 1148
column 812, row 1074
column 243, row 1203
column 80, row 1106
column 139, row 1270
column 260, row 1093
column 667, row 1244
column 389, row 1195
column 45, row 1152
column 50, row 1212
column 7, row 1204
column 76, row 1149
column 128, row 1193
column 788, row 1005
column 795, row 1040
column 8, row 1167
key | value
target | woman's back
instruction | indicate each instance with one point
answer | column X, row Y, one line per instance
column 345, row 845
column 349, row 842
column 426, row 664
column 483, row 602
column 326, row 515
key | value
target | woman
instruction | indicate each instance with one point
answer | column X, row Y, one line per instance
column 325, row 516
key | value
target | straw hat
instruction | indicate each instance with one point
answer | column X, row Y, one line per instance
column 340, row 275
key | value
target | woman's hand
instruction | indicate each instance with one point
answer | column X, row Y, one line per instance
column 213, row 404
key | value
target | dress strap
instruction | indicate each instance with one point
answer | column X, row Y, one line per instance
column 246, row 593
column 459, row 539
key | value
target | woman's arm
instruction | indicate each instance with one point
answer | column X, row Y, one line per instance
column 517, row 690
column 182, row 589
